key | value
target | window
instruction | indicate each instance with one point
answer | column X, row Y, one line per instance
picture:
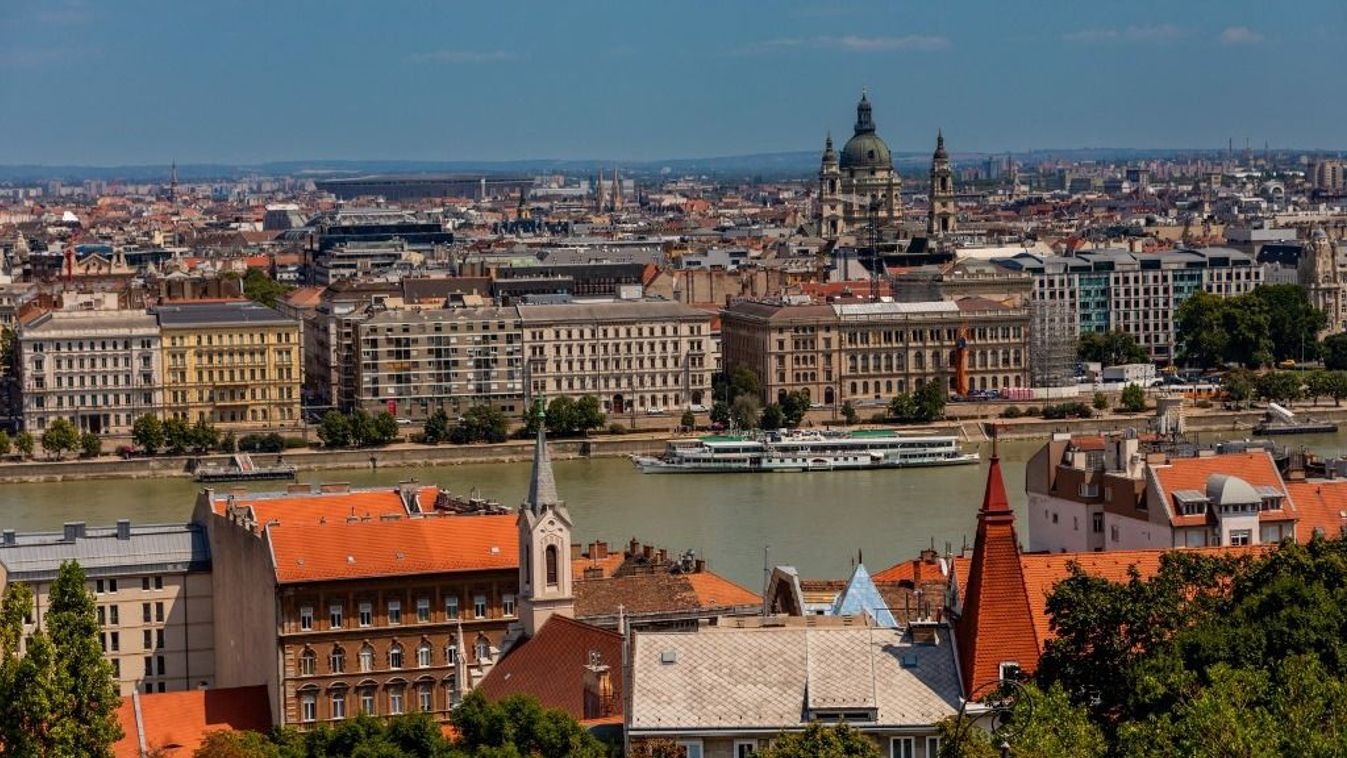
column 1113, row 533
column 1097, row 523
column 507, row 604
column 367, row 700
column 338, row 704
column 158, row 583
column 148, row 641
column 334, row 615
column 159, row 664
column 308, row 663
column 745, row 748
column 451, row 607
column 1009, row 669
column 145, row 612
column 145, row 583
column 451, row 652
column 551, row 559
column 366, row 658
column 116, row 639
column 366, row 613
column 691, row 748
column 932, row 747
column 395, row 700
column 112, row 585
column 479, row 606
column 903, row 747
column 425, row 697
column 306, row 617
column 482, row 650
column 394, row 612
column 424, row 655
column 149, row 665
column 159, row 612
column 308, row 707
column 1240, row 536
column 336, row 661
column 395, row 656
column 422, row 609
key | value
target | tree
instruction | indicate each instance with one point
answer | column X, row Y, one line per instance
column 742, row 381
column 91, row 446
column 334, row 429
column 903, row 407
column 1111, row 348
column 1334, row 351
column 260, row 288
column 6, row 444
column 688, row 420
column 1200, row 330
column 589, row 414
column 656, row 747
column 231, row 744
column 385, row 428
column 518, row 722
column 1279, row 386
column 794, row 406
column 720, row 413
column 1238, row 385
column 930, row 399
column 1133, row 399
column 561, row 416
column 88, row 695
column 1336, row 386
column 437, row 427
column 1317, row 385
column 60, row 437
column 24, row 444
column 147, row 432
column 1040, row 724
column 1100, row 401
column 819, row 741
column 177, row 436
column 1293, row 322
column 363, row 431
column 481, row 423
column 849, row 414
column 746, row 411
column 203, row 436
column 31, row 702
column 772, row 417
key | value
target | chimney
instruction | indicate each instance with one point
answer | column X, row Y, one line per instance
column 633, row 548
column 600, row 550
column 74, row 530
column 408, row 491
column 9, row 537
column 600, row 701
column 925, row 633
column 577, row 552
column 124, row 529
column 332, row 488
column 699, row 566
column 298, row 488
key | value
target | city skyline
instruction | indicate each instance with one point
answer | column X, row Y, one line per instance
column 145, row 83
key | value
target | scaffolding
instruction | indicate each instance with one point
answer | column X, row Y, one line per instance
column 1053, row 335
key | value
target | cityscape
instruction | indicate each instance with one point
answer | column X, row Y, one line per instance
column 679, row 416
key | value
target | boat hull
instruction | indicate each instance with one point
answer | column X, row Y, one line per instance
column 659, row 466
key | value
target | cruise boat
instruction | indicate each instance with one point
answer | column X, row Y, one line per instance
column 804, row 451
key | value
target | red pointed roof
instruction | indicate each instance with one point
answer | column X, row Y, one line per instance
column 995, row 625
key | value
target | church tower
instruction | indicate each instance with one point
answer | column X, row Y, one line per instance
column 940, row 220
column 598, row 191
column 545, row 577
column 829, row 190
column 617, row 190
column 1319, row 274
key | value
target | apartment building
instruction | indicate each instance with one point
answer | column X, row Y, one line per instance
column 1112, row 492
column 99, row 369
column 413, row 361
column 866, row 353
column 152, row 589
column 235, row 364
column 635, row 355
column 1137, row 293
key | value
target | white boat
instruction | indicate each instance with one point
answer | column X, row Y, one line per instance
column 804, row 451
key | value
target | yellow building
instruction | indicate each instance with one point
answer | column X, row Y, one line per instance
column 235, row 364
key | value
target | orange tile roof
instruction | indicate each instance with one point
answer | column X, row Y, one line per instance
column 1322, row 506
column 1256, row 468
column 715, row 591
column 313, row 508
column 607, row 564
column 347, row 550
column 551, row 666
column 176, row 722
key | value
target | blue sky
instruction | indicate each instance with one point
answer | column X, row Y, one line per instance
column 134, row 81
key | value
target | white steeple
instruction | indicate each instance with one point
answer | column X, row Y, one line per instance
column 545, row 575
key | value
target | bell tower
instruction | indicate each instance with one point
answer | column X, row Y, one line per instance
column 545, row 576
column 941, row 215
column 829, row 193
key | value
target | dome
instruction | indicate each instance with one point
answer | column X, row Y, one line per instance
column 865, row 149
column 1225, row 489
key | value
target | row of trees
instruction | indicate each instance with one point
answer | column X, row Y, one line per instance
column 357, row 429
column 22, row 443
column 176, row 436
column 1270, row 324
column 57, row 693
column 481, row 423
column 1210, row 656
column 565, row 416
column 923, row 406
column 1285, row 387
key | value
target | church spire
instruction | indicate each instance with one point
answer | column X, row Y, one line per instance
column 865, row 122
column 542, row 483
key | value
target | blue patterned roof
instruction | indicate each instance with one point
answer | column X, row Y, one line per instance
column 862, row 596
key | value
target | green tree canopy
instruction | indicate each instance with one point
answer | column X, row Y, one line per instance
column 746, row 411
column 147, row 432
column 61, row 437
column 1280, row 386
column 772, row 417
column 1334, row 351
column 334, row 429
column 260, row 288
column 481, row 423
column 1271, row 323
column 1111, row 348
column 1293, row 322
column 821, row 741
column 437, row 427
column 24, row 444
column 87, row 693
column 1133, row 399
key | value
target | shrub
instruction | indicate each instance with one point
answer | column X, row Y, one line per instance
column 616, row 428
column 1033, row 410
column 291, row 443
column 1012, row 412
column 1203, row 403
column 90, row 445
column 125, row 451
column 1100, row 401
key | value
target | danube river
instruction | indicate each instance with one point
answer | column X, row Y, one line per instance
column 817, row 522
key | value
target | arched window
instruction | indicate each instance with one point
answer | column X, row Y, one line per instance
column 423, row 655
column 395, row 656
column 336, row 661
column 308, row 663
column 551, row 558
column 482, row 649
column 451, row 652
column 828, row 397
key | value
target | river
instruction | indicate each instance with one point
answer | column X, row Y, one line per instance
column 817, row 522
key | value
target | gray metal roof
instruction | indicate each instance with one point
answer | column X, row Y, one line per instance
column 37, row 556
column 637, row 310
column 219, row 314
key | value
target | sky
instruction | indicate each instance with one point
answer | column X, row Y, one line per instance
column 109, row 82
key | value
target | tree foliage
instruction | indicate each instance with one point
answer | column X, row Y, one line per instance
column 1334, row 351
column 24, row 444
column 821, row 741
column 260, row 288
column 87, row 694
column 1133, row 399
column 1271, row 323
column 147, row 432
column 60, row 437
column 481, row 423
column 1280, row 386
column 1111, row 348
column 746, row 411
column 91, row 445
column 1041, row 724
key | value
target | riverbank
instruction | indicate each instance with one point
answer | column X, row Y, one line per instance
column 968, row 428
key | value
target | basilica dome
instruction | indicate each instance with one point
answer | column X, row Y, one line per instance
column 865, row 150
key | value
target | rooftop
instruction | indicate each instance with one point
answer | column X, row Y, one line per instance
column 235, row 313
column 105, row 551
column 174, row 723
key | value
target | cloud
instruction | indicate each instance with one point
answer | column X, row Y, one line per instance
column 1132, row 35
column 464, row 56
column 1240, row 35
column 853, row 43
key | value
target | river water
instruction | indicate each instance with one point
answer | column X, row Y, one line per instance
column 817, row 522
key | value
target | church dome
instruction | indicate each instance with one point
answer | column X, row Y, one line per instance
column 865, row 149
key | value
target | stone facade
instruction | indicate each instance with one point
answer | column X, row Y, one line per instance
column 858, row 189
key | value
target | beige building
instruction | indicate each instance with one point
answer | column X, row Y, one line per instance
column 635, row 356
column 414, row 362
column 152, row 590
column 867, row 353
column 235, row 364
column 99, row 369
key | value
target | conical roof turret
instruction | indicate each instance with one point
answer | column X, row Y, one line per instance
column 542, row 483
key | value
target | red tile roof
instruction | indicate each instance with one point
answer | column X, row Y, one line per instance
column 176, row 722
column 715, row 591
column 1256, row 468
column 1321, row 505
column 435, row 544
column 313, row 508
column 551, row 666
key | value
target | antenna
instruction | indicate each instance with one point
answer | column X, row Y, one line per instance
column 766, row 576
